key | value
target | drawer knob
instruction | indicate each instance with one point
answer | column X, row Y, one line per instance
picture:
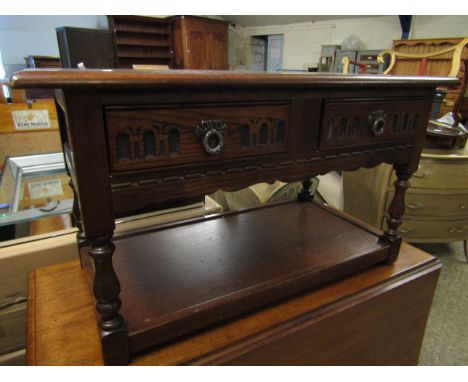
column 377, row 120
column 464, row 206
column 422, row 176
column 457, row 230
column 414, row 206
column 211, row 134
column 405, row 230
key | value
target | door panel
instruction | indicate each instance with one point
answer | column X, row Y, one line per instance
column 197, row 50
column 219, row 59
column 275, row 53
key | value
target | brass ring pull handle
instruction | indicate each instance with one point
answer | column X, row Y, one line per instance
column 414, row 206
column 464, row 206
column 212, row 133
column 456, row 230
column 405, row 230
column 377, row 120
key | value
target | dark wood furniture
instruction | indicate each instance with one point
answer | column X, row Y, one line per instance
column 200, row 43
column 376, row 317
column 41, row 62
column 92, row 47
column 137, row 141
column 142, row 40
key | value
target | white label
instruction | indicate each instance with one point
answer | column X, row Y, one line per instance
column 45, row 188
column 31, row 119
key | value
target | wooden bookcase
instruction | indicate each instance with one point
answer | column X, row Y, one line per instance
column 181, row 42
column 142, row 40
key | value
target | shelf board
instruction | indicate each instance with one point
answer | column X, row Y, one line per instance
column 184, row 276
column 144, row 44
column 139, row 31
column 146, row 56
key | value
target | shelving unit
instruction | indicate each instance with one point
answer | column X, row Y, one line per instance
column 142, row 40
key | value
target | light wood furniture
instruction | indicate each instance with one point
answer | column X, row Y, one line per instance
column 376, row 317
column 200, row 43
column 150, row 67
column 136, row 141
column 142, row 40
column 21, row 256
column 432, row 57
column 259, row 194
column 436, row 202
column 19, row 142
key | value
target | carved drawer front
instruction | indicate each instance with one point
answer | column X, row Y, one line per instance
column 433, row 230
column 433, row 204
column 439, row 176
column 148, row 137
column 349, row 123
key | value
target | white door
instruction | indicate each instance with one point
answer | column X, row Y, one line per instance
column 275, row 52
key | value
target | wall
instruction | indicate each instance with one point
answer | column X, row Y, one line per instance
column 439, row 26
column 302, row 40
column 24, row 35
column 21, row 36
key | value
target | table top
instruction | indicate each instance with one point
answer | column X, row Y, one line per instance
column 111, row 78
column 60, row 305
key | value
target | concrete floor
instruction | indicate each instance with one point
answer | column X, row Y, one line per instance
column 446, row 338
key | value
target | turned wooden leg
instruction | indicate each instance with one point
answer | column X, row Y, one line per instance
column 106, row 289
column 305, row 195
column 396, row 211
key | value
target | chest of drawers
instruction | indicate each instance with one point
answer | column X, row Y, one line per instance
column 436, row 203
column 139, row 141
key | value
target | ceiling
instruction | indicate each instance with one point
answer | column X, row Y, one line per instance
column 259, row 20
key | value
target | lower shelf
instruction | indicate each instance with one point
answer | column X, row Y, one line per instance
column 185, row 276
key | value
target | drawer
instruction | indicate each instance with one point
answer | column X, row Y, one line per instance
column 149, row 137
column 363, row 122
column 433, row 205
column 439, row 176
column 367, row 57
column 372, row 67
column 435, row 231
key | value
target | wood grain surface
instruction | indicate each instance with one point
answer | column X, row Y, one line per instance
column 376, row 317
column 178, row 279
column 75, row 78
column 104, row 194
